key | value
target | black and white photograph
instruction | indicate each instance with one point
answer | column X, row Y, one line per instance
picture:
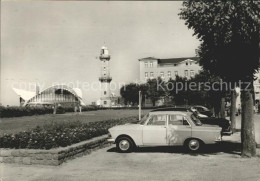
column 130, row 90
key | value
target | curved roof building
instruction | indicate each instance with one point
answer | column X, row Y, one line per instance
column 57, row 94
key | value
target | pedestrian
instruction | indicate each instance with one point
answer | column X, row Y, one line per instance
column 80, row 109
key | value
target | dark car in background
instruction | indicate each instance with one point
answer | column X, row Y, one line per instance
column 206, row 117
column 202, row 110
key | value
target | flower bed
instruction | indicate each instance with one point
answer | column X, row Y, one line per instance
column 59, row 134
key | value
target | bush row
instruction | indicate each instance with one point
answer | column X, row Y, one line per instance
column 59, row 134
column 16, row 111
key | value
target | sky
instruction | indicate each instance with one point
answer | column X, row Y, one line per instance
column 51, row 42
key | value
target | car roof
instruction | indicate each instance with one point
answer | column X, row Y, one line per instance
column 171, row 110
column 180, row 109
column 199, row 106
column 184, row 113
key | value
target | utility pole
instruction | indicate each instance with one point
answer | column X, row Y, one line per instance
column 140, row 102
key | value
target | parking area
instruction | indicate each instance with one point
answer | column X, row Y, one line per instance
column 215, row 163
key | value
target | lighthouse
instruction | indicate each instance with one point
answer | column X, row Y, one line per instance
column 105, row 79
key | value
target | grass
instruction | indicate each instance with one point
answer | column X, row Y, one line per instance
column 18, row 124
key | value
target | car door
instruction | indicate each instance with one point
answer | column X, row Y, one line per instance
column 178, row 129
column 154, row 131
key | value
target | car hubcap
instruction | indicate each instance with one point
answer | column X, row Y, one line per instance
column 124, row 145
column 194, row 144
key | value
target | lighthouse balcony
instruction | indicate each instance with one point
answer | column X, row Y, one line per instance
column 105, row 79
column 104, row 56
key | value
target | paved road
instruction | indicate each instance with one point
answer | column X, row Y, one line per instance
column 220, row 163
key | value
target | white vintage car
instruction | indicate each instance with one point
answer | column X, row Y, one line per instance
column 164, row 128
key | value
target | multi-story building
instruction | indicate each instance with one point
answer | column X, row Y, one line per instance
column 151, row 67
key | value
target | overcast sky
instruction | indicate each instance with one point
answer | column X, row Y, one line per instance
column 48, row 42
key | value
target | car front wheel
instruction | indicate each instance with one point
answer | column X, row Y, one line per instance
column 124, row 145
column 193, row 145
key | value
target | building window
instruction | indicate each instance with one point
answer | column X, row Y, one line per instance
column 175, row 64
column 151, row 64
column 146, row 74
column 187, row 63
column 176, row 73
column 186, row 73
column 104, row 68
column 192, row 73
column 162, row 74
column 105, row 102
column 145, row 64
column 151, row 74
column 105, row 92
column 169, row 74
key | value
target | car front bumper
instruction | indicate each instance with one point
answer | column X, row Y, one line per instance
column 227, row 133
column 111, row 140
column 218, row 139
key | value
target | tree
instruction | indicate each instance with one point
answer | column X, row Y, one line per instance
column 214, row 99
column 156, row 89
column 199, row 93
column 144, row 91
column 130, row 93
column 229, row 34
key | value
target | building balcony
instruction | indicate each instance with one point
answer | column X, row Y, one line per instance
column 105, row 79
column 103, row 56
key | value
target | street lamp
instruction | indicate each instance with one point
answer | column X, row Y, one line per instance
column 140, row 102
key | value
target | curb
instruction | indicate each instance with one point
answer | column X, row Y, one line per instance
column 54, row 156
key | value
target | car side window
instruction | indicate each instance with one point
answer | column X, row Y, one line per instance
column 177, row 120
column 157, row 120
column 200, row 109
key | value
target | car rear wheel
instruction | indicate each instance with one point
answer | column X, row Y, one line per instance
column 193, row 145
column 124, row 145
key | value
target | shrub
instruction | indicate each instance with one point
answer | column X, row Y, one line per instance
column 60, row 110
column 59, row 134
column 16, row 111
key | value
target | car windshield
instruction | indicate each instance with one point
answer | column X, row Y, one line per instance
column 142, row 121
column 195, row 120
